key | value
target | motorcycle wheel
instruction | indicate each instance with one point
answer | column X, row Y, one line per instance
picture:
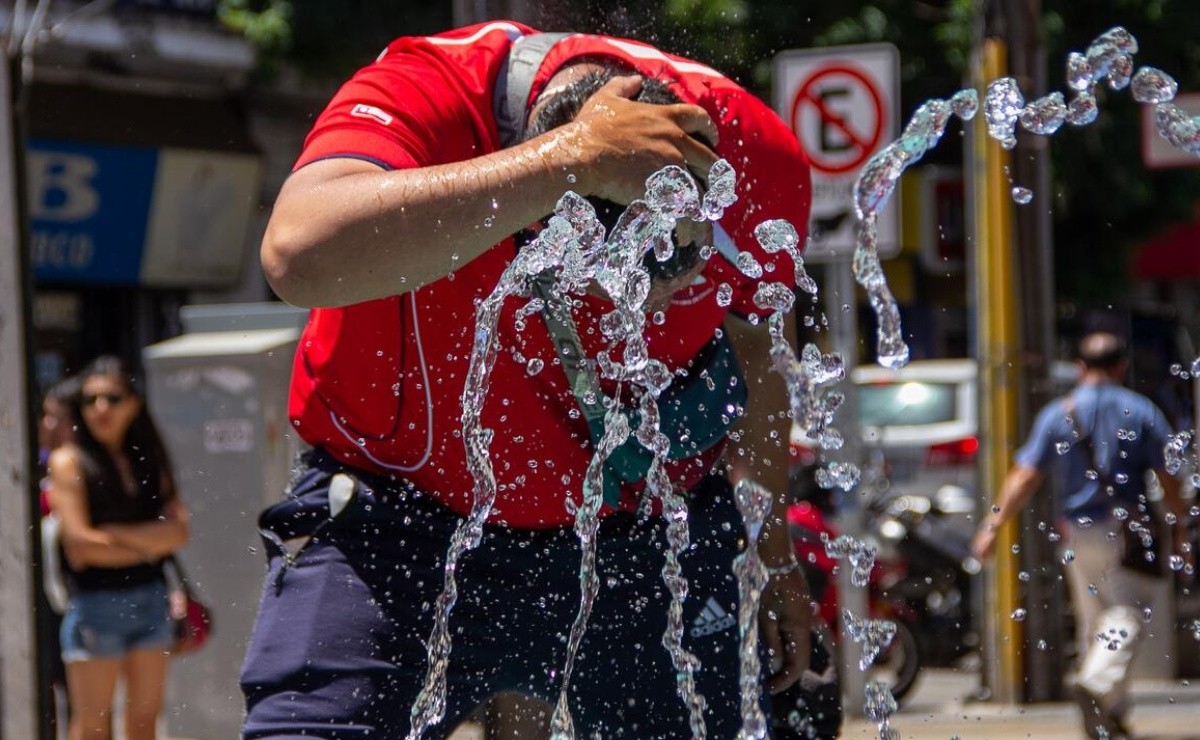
column 900, row 664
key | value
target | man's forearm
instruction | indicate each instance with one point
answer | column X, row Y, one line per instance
column 1019, row 485
column 344, row 231
column 761, row 449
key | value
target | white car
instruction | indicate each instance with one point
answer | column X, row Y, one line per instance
column 918, row 426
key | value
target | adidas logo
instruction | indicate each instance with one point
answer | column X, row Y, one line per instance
column 711, row 619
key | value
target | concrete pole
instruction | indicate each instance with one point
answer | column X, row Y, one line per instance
column 839, row 294
column 20, row 680
column 1033, row 250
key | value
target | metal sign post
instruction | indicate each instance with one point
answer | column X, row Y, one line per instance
column 839, row 294
column 19, row 678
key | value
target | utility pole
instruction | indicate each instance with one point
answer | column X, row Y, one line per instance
column 994, row 291
column 1045, row 663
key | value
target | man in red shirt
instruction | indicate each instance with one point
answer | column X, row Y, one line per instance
column 396, row 221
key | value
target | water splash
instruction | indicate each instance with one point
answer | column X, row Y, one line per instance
column 859, row 553
column 587, row 524
column 1175, row 450
column 573, row 230
column 879, row 707
column 754, row 502
column 875, row 635
column 569, row 254
column 875, row 185
column 1109, row 58
column 1002, row 106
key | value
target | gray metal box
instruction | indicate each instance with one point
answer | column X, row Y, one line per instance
column 219, row 396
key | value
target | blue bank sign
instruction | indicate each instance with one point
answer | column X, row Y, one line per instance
column 122, row 215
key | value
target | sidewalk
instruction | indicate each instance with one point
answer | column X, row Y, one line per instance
column 1163, row 710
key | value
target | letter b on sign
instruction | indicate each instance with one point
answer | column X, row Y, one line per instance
column 62, row 186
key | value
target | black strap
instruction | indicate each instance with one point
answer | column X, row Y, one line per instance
column 180, row 575
column 515, row 81
column 585, row 385
column 1086, row 440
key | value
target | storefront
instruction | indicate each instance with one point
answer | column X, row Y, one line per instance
column 143, row 183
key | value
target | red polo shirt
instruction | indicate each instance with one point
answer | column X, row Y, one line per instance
column 379, row 384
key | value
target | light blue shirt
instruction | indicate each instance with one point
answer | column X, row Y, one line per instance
column 1128, row 435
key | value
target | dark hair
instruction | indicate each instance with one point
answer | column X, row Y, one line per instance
column 143, row 444
column 1101, row 350
column 566, row 103
column 562, row 108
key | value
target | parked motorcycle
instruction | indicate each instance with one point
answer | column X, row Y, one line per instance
column 811, row 528
column 921, row 580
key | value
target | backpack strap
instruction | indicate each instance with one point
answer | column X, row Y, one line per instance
column 515, row 81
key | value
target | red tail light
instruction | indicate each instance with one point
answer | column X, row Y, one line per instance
column 957, row 452
column 801, row 454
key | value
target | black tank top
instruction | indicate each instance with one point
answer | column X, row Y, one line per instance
column 110, row 503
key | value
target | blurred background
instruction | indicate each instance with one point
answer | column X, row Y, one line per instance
column 146, row 140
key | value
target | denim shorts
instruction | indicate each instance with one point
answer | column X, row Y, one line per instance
column 109, row 623
column 339, row 647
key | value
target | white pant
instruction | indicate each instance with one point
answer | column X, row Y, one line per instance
column 1108, row 601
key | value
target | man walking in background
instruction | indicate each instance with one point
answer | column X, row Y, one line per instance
column 1100, row 441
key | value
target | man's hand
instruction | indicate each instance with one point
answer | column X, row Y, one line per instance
column 984, row 543
column 621, row 142
column 785, row 623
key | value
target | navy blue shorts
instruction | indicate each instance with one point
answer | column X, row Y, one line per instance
column 338, row 650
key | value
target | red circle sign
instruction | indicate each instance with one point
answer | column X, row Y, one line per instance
column 860, row 138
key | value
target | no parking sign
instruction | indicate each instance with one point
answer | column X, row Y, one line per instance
column 841, row 102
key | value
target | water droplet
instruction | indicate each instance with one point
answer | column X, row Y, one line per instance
column 965, row 103
column 1079, row 72
column 724, row 295
column 534, row 365
column 1019, row 615
column 1002, row 105
column 1045, row 115
column 1022, row 195
column 1082, row 109
column 1068, row 556
column 1152, row 86
column 749, row 266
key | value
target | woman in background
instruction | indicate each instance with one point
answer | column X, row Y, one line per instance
column 113, row 490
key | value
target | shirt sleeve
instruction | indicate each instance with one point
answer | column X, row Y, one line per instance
column 1038, row 451
column 1155, row 436
column 399, row 112
column 773, row 183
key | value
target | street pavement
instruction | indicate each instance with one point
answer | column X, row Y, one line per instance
column 941, row 708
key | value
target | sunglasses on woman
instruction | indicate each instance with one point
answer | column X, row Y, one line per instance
column 112, row 399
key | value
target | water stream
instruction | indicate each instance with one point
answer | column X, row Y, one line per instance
column 573, row 251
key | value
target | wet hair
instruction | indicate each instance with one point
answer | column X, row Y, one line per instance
column 565, row 104
column 1102, row 350
column 562, row 107
column 143, row 444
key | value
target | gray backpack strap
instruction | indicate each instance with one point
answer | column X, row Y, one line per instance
column 515, row 81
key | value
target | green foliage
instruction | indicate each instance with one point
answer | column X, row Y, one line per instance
column 268, row 27
column 1106, row 202
column 1103, row 198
